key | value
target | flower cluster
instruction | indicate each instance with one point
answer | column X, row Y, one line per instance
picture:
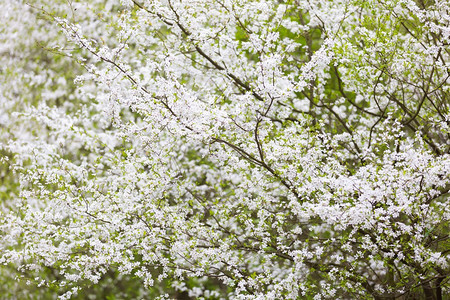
column 225, row 149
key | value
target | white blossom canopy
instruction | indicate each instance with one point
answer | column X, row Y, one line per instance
column 219, row 149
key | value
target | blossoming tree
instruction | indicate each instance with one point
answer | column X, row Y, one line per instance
column 249, row 149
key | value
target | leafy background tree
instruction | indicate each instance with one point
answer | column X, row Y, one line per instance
column 225, row 149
